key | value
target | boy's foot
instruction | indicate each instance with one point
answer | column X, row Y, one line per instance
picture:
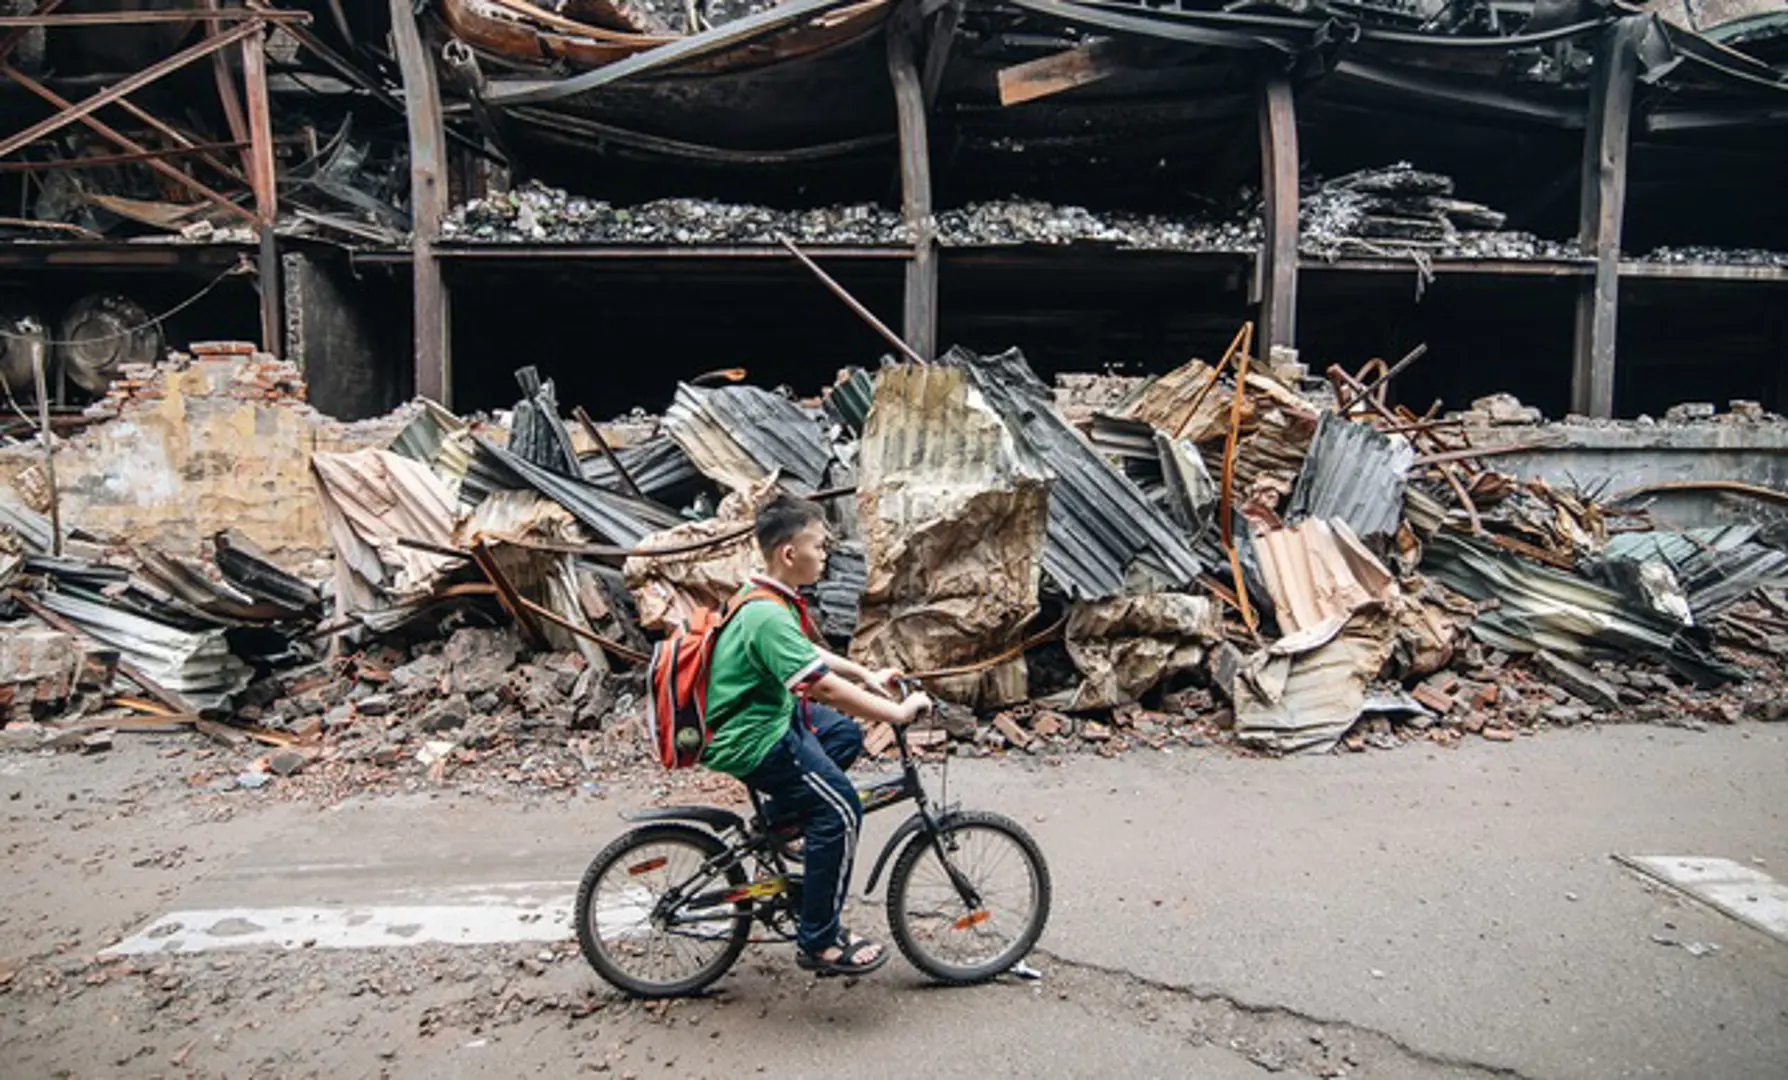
column 856, row 956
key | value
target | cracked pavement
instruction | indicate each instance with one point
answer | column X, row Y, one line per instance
column 1414, row 913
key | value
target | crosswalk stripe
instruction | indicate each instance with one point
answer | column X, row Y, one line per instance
column 480, row 920
column 1743, row 892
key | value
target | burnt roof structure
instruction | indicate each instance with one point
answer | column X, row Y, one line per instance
column 1091, row 180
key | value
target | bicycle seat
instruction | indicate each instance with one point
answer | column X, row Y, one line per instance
column 712, row 816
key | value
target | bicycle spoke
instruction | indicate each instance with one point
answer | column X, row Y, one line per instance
column 624, row 915
column 997, row 869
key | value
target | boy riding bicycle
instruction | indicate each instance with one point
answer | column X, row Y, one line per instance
column 776, row 707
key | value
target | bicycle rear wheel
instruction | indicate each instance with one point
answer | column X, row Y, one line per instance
column 940, row 934
column 626, row 935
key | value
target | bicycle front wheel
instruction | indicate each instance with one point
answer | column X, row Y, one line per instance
column 943, row 936
column 639, row 942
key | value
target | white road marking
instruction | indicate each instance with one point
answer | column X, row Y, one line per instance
column 1743, row 892
column 475, row 915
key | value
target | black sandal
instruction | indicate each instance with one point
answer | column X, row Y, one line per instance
column 847, row 962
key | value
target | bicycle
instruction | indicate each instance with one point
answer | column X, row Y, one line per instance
column 692, row 881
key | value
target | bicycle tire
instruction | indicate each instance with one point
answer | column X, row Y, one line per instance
column 594, row 949
column 900, row 916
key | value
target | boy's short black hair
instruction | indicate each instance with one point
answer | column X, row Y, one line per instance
column 782, row 517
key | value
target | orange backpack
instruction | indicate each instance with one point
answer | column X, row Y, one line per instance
column 677, row 683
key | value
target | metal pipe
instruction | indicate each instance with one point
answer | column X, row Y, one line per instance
column 49, row 450
column 852, row 302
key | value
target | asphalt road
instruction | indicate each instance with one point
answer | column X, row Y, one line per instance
column 1408, row 913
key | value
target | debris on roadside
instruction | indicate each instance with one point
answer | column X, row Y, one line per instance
column 1230, row 553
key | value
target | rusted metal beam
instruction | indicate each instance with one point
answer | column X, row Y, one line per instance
column 126, row 86
column 133, row 18
column 507, row 595
column 1277, row 273
column 920, row 309
column 126, row 143
column 428, row 204
column 116, row 159
column 12, row 39
column 1384, row 378
column 264, row 179
column 853, row 303
column 1601, row 210
column 260, row 160
column 226, row 84
column 595, row 434
column 167, row 131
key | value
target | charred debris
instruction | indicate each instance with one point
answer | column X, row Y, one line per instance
column 1233, row 552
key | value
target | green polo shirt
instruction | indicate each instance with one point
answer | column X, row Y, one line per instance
column 761, row 659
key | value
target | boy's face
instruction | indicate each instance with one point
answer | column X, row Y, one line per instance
column 802, row 561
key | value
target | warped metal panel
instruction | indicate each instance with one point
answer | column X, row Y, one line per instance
column 1355, row 473
column 1541, row 608
column 199, row 667
column 739, row 435
column 1101, row 526
column 616, row 518
column 656, row 465
column 1716, row 567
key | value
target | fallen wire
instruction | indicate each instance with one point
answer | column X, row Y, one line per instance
column 239, row 268
column 992, row 662
column 1733, row 486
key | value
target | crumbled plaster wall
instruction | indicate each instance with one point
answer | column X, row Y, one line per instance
column 204, row 445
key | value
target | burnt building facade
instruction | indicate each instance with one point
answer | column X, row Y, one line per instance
column 1576, row 202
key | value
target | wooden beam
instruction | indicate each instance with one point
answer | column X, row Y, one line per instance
column 428, row 204
column 1057, row 72
column 937, row 54
column 1277, row 272
column 919, row 326
column 1601, row 210
column 263, row 178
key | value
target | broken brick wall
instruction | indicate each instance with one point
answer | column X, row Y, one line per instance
column 195, row 446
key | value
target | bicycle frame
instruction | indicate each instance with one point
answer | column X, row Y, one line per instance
column 769, row 896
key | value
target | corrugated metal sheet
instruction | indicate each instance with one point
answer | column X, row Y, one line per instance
column 1318, row 572
column 438, row 439
column 1541, row 608
column 1355, row 473
column 1129, row 443
column 848, row 401
column 1716, row 567
column 1192, row 494
column 738, row 435
column 537, row 433
column 835, row 597
column 369, row 499
column 248, row 568
column 1306, row 690
column 657, row 465
column 197, row 666
column 31, row 527
column 1102, row 529
column 215, row 602
column 617, row 519
column 953, row 509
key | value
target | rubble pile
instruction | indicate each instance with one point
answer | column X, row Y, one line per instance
column 1027, row 221
column 1401, row 210
column 1729, row 256
column 538, row 214
column 1229, row 553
